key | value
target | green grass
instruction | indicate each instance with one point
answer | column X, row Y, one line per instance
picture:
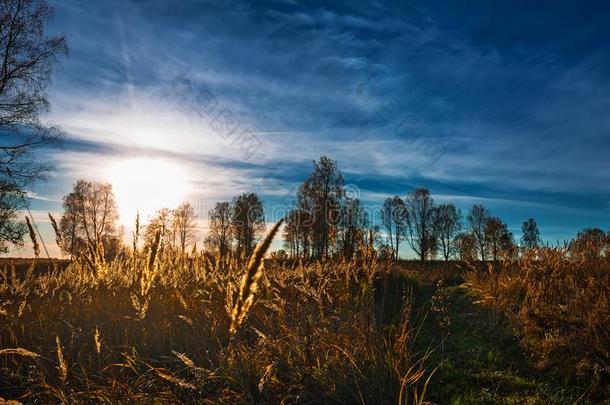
column 482, row 362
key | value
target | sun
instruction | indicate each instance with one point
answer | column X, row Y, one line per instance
column 146, row 185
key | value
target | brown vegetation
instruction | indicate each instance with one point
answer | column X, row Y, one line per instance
column 144, row 326
column 557, row 301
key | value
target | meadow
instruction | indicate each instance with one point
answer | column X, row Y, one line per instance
column 155, row 325
column 163, row 103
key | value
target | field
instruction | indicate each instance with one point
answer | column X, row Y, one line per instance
column 182, row 328
column 234, row 187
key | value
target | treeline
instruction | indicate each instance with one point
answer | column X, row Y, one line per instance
column 325, row 222
column 89, row 225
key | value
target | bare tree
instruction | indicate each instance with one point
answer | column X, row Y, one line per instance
column 321, row 196
column 447, row 225
column 297, row 233
column 184, row 225
column 219, row 237
column 353, row 223
column 247, row 222
column 290, row 234
column 476, row 219
column 466, row 246
column 90, row 217
column 394, row 219
column 498, row 238
column 420, row 221
column 160, row 223
column 27, row 59
column 11, row 231
column 531, row 235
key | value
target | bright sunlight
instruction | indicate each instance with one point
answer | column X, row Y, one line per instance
column 146, row 185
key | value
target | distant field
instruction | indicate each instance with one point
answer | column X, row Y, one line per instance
column 40, row 265
column 455, row 267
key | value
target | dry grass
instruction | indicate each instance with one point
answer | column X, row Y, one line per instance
column 558, row 302
column 156, row 325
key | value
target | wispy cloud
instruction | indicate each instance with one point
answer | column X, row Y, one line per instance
column 521, row 114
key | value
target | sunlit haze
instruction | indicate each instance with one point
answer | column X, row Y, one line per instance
column 146, row 185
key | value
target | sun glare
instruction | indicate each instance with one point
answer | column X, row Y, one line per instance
column 146, row 185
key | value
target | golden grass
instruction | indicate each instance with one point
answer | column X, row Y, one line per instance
column 249, row 283
column 159, row 325
column 19, row 352
column 558, row 302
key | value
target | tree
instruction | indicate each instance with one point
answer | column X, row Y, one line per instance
column 305, row 233
column 498, row 238
column 394, row 219
column 184, row 224
column 321, row 195
column 476, row 219
column 160, row 223
column 220, row 229
column 90, row 217
column 247, row 222
column 531, row 235
column 447, row 225
column 466, row 246
column 297, row 233
column 352, row 226
column 27, row 59
column 290, row 236
column 11, row 231
column 420, row 208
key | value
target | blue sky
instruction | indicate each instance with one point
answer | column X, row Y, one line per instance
column 504, row 104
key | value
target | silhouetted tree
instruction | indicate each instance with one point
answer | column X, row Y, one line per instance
column 498, row 238
column 297, row 233
column 160, row 223
column 394, row 219
column 247, row 222
column 420, row 221
column 531, row 235
column 90, row 217
column 184, row 225
column 321, row 195
column 220, row 238
column 290, row 233
column 447, row 224
column 466, row 246
column 353, row 223
column 27, row 59
column 11, row 231
column 476, row 219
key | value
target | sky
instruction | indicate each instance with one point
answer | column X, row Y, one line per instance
column 500, row 103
